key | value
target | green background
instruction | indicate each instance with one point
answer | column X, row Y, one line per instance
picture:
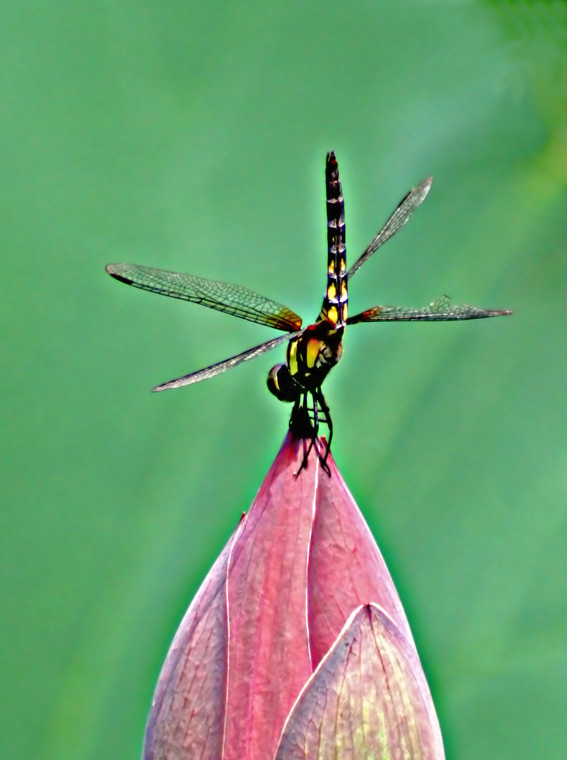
column 191, row 136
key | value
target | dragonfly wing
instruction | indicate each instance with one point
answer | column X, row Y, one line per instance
column 440, row 310
column 222, row 296
column 398, row 219
column 217, row 369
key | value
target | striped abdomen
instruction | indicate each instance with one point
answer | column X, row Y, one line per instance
column 334, row 307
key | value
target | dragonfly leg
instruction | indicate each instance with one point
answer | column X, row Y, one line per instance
column 326, row 415
column 304, row 423
column 300, row 421
column 314, row 417
column 313, row 414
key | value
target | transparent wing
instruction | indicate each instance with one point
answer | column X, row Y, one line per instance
column 222, row 296
column 440, row 310
column 400, row 217
column 217, row 369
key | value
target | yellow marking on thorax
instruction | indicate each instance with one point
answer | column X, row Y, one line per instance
column 345, row 311
column 292, row 357
column 312, row 352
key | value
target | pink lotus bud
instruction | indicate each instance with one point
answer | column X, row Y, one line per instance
column 367, row 698
column 296, row 645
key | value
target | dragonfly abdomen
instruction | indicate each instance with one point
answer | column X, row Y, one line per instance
column 334, row 307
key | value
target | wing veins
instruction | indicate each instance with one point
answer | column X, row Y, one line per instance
column 440, row 310
column 234, row 300
column 226, row 364
column 397, row 220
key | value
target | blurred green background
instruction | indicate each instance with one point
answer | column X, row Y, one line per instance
column 192, row 136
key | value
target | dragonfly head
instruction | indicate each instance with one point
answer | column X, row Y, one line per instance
column 282, row 384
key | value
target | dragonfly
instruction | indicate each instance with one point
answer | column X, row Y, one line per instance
column 314, row 350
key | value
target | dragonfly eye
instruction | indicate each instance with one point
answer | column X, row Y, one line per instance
column 282, row 384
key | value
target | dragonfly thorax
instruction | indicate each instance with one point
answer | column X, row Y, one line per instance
column 310, row 358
